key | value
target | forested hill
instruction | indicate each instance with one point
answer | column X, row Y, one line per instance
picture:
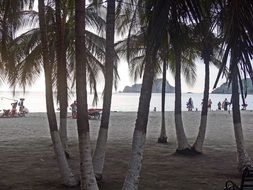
column 223, row 89
column 157, row 87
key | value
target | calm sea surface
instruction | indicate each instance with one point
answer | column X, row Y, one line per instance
column 35, row 101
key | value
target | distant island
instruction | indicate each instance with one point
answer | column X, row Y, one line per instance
column 223, row 89
column 157, row 87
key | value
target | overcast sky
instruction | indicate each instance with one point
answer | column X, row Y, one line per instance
column 125, row 80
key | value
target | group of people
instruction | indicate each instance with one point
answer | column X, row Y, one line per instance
column 224, row 105
column 221, row 106
column 13, row 112
column 190, row 106
column 22, row 109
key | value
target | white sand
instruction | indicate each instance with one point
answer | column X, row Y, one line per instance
column 26, row 159
column 220, row 127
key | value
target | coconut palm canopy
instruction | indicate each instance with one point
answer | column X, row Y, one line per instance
column 73, row 43
column 236, row 29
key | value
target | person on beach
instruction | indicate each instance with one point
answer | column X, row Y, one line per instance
column 225, row 104
column 21, row 105
column 219, row 106
column 14, row 108
column 22, row 110
column 189, row 104
column 209, row 104
column 73, row 108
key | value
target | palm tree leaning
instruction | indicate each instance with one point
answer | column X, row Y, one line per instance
column 236, row 21
column 133, row 49
column 155, row 30
column 68, row 178
column 99, row 154
column 88, row 180
column 243, row 158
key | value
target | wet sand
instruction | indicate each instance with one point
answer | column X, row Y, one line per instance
column 27, row 160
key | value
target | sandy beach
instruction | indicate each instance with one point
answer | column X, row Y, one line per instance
column 27, row 159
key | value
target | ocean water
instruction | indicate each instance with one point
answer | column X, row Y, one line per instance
column 35, row 101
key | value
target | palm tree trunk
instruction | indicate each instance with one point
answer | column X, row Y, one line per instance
column 155, row 31
column 163, row 136
column 198, row 145
column 242, row 155
column 139, row 136
column 88, row 180
column 68, row 177
column 183, row 145
column 4, row 40
column 61, row 74
column 99, row 154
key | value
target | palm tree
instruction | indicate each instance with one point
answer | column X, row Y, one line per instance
column 27, row 46
column 11, row 14
column 99, row 154
column 188, row 71
column 68, row 177
column 62, row 86
column 183, row 145
column 88, row 180
column 163, row 136
column 207, row 42
column 179, row 33
column 235, row 24
column 133, row 49
column 11, row 19
column 243, row 158
column 155, row 30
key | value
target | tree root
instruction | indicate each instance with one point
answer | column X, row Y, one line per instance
column 195, row 151
column 188, row 152
column 73, row 182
